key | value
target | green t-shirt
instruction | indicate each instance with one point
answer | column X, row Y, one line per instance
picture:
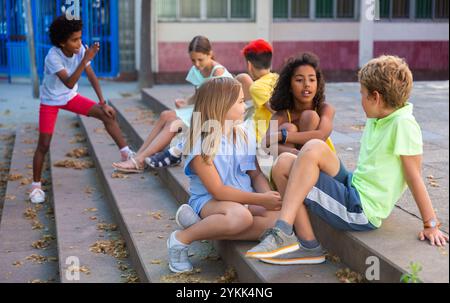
column 379, row 175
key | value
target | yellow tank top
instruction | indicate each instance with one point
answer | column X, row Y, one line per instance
column 329, row 142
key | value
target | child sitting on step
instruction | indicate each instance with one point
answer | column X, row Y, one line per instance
column 64, row 64
column 170, row 121
column 302, row 113
column 390, row 160
column 224, row 176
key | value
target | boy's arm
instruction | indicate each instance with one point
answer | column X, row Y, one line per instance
column 412, row 171
column 71, row 81
column 211, row 180
column 95, row 84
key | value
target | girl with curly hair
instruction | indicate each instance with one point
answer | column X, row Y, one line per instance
column 302, row 114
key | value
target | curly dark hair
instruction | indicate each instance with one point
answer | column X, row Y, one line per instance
column 282, row 97
column 61, row 29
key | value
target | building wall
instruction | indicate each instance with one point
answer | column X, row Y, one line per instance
column 424, row 45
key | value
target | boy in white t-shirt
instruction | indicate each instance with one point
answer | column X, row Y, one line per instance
column 64, row 64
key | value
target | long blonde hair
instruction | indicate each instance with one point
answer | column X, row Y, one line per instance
column 212, row 101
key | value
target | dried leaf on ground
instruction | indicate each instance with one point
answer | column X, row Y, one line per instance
column 115, row 248
column 15, row 177
column 116, row 175
column 76, row 164
column 230, row 276
column 80, row 152
column 348, row 276
column 358, row 127
column 17, row 263
column 189, row 277
column 93, row 209
column 30, row 213
column 78, row 139
column 89, row 190
column 37, row 258
column 107, row 226
column 29, row 141
column 130, row 277
column 332, row 258
column 156, row 215
column 37, row 225
column 156, row 262
column 40, row 244
column 26, row 181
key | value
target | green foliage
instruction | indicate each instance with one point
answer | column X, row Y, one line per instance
column 413, row 276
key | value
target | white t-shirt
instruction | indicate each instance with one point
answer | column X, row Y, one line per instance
column 53, row 90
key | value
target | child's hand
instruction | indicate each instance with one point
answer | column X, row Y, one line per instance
column 92, row 51
column 272, row 200
column 109, row 111
column 434, row 235
column 179, row 103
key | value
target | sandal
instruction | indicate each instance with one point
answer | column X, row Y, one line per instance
column 135, row 170
column 163, row 159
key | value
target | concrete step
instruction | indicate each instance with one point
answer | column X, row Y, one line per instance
column 83, row 215
column 145, row 212
column 395, row 245
column 23, row 224
column 232, row 252
column 6, row 148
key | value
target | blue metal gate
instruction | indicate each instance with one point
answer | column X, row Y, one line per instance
column 100, row 24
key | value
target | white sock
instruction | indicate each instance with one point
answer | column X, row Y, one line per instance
column 174, row 241
column 175, row 151
column 126, row 149
column 36, row 185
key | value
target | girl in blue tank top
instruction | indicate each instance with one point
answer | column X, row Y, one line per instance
column 230, row 197
column 171, row 121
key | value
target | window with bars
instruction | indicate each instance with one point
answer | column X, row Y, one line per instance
column 414, row 9
column 314, row 9
column 198, row 10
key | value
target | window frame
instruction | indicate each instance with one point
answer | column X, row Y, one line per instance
column 312, row 14
column 204, row 14
column 412, row 15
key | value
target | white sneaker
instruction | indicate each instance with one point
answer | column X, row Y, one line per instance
column 37, row 196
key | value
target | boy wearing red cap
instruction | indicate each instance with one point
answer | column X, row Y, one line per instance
column 260, row 82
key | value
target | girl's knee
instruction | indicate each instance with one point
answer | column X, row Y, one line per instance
column 244, row 79
column 313, row 148
column 283, row 165
column 309, row 120
column 238, row 220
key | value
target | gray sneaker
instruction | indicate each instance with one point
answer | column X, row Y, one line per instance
column 186, row 216
column 178, row 257
column 301, row 256
column 274, row 242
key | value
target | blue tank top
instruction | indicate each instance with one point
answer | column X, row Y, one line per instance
column 196, row 78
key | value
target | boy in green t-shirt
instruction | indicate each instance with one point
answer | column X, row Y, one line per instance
column 390, row 161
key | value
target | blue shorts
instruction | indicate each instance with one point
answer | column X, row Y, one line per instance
column 337, row 202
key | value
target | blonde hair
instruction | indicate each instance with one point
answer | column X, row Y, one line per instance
column 391, row 77
column 212, row 101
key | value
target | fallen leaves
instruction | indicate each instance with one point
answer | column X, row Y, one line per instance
column 332, row 258
column 77, row 153
column 92, row 209
column 14, row 177
column 348, row 276
column 156, row 262
column 17, row 263
column 76, row 164
column 106, row 226
column 30, row 213
column 156, row 215
column 358, row 127
column 89, row 190
column 117, row 175
column 78, row 139
column 432, row 181
column 115, row 248
column 230, row 276
column 10, row 197
column 43, row 243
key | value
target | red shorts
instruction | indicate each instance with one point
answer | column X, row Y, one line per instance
column 48, row 114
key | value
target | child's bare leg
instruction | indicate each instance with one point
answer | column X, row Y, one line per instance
column 163, row 139
column 260, row 224
column 39, row 155
column 167, row 116
column 281, row 170
column 309, row 120
column 220, row 220
column 111, row 125
column 246, row 82
column 315, row 157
